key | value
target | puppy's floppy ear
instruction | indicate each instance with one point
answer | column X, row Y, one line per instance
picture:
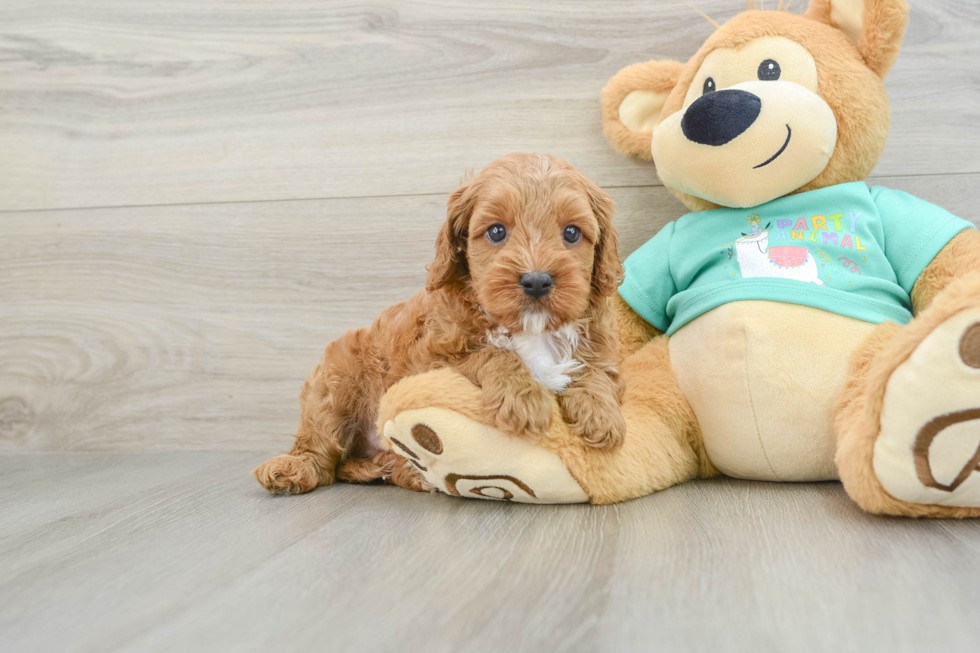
column 632, row 103
column 449, row 266
column 876, row 27
column 607, row 269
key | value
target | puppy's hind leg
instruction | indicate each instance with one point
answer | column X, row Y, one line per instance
column 336, row 404
column 311, row 462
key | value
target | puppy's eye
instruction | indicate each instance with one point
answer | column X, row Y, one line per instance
column 496, row 233
column 572, row 234
column 709, row 85
column 769, row 70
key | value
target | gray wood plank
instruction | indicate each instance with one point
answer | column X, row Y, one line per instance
column 111, row 102
column 205, row 561
column 193, row 327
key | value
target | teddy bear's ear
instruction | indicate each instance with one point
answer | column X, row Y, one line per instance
column 875, row 26
column 632, row 102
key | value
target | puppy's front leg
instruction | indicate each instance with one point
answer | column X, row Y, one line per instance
column 590, row 405
column 519, row 404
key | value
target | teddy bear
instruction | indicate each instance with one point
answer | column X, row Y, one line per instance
column 797, row 325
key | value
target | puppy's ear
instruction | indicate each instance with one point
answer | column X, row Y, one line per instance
column 632, row 103
column 607, row 269
column 876, row 27
column 449, row 266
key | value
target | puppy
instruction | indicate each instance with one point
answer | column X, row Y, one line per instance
column 516, row 300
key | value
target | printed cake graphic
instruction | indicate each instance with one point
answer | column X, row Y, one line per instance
column 757, row 259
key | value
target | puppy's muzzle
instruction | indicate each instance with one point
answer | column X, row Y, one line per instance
column 537, row 284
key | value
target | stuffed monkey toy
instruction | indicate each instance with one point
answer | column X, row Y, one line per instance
column 796, row 326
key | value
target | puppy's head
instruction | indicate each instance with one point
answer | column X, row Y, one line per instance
column 532, row 239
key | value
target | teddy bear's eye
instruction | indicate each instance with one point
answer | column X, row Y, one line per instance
column 709, row 85
column 769, row 70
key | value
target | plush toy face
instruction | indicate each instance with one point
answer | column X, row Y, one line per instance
column 772, row 104
column 754, row 118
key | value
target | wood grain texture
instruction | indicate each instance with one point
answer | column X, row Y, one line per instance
column 185, row 552
column 197, row 195
column 193, row 327
column 175, row 327
column 111, row 102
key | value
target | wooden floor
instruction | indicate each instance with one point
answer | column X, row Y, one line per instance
column 197, row 195
column 183, row 552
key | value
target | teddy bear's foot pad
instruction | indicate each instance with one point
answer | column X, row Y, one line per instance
column 928, row 451
column 464, row 458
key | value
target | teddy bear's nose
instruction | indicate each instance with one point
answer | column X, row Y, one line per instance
column 717, row 117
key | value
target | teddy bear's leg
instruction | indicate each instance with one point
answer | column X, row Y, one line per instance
column 438, row 423
column 908, row 420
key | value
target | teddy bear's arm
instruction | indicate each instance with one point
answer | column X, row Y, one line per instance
column 960, row 256
column 632, row 330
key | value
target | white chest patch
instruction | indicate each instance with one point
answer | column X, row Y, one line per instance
column 548, row 354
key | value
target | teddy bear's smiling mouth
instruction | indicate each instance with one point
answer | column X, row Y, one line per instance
column 789, row 135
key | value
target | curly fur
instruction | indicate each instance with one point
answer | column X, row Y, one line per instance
column 473, row 290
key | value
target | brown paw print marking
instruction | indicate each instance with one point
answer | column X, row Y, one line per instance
column 970, row 346
column 414, row 457
column 452, row 479
column 427, row 439
column 507, row 494
column 404, row 448
column 925, row 438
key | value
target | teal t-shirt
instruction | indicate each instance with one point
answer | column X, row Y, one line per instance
column 848, row 249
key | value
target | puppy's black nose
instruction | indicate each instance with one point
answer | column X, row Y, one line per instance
column 718, row 117
column 537, row 284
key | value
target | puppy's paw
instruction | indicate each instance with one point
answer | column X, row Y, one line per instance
column 520, row 410
column 597, row 420
column 288, row 474
column 386, row 466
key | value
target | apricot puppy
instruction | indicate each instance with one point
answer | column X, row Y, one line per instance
column 516, row 299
